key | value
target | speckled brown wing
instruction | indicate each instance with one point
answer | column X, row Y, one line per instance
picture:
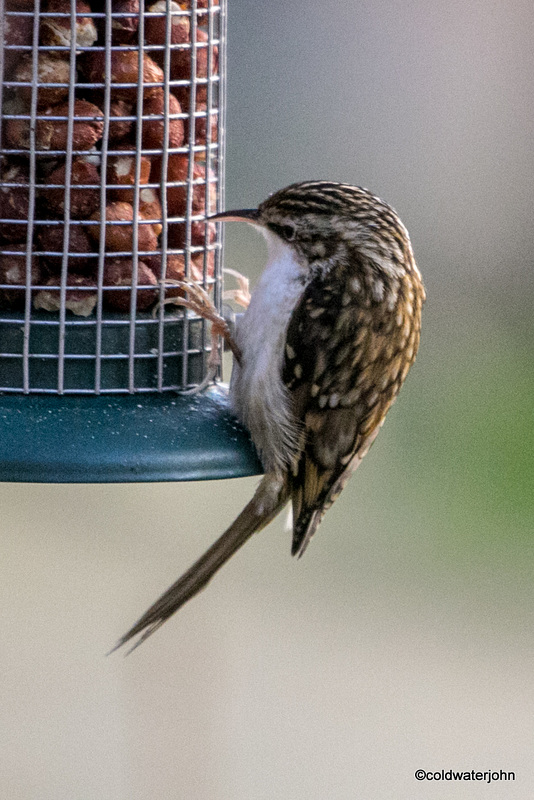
column 348, row 350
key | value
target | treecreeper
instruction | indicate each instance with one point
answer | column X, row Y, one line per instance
column 320, row 354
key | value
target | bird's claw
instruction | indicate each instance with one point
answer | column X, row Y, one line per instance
column 240, row 295
column 199, row 301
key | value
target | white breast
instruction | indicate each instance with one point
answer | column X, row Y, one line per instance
column 258, row 396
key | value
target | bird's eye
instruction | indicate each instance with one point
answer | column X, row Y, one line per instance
column 288, row 232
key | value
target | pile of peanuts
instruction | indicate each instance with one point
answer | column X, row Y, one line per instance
column 117, row 158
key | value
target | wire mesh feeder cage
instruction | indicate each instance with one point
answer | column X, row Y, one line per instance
column 112, row 156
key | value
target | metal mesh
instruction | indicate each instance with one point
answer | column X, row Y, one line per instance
column 112, row 155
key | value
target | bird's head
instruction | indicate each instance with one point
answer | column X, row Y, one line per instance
column 326, row 223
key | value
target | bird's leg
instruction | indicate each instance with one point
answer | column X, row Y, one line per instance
column 199, row 301
column 240, row 295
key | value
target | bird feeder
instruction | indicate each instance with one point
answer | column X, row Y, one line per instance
column 111, row 159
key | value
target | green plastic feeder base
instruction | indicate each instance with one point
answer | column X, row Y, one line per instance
column 122, row 439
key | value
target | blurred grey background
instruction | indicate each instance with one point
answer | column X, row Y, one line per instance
column 404, row 638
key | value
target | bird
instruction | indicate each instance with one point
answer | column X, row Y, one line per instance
column 320, row 353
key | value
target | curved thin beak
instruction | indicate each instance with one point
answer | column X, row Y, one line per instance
column 243, row 214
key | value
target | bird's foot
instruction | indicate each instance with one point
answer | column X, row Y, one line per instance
column 212, row 365
column 199, row 301
column 241, row 295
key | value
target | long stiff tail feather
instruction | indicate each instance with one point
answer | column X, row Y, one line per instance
column 270, row 497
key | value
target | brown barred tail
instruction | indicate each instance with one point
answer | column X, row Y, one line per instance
column 269, row 499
